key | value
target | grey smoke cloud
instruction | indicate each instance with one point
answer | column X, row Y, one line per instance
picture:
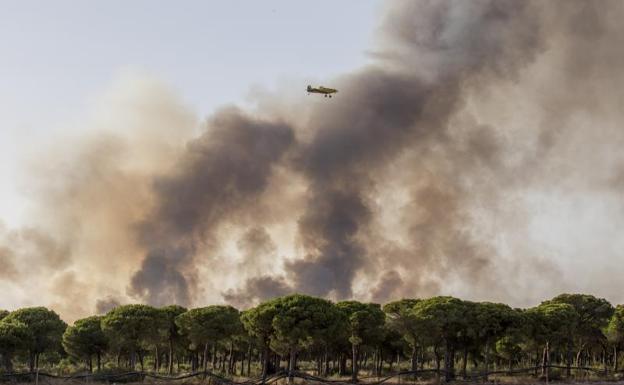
column 257, row 289
column 104, row 305
column 221, row 172
column 30, row 250
column 420, row 177
column 386, row 113
column 388, row 287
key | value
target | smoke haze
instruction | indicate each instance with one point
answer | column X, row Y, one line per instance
column 477, row 155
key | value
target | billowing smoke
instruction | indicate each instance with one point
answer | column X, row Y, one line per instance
column 388, row 113
column 29, row 251
column 104, row 305
column 447, row 162
column 257, row 289
column 221, row 174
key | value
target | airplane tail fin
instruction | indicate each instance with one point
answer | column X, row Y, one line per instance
column 309, row 88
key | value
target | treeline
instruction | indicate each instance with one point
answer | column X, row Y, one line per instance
column 299, row 332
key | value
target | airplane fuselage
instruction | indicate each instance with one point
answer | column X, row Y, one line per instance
column 322, row 90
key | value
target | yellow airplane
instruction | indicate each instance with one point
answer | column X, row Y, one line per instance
column 322, row 90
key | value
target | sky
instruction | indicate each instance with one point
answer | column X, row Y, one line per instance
column 166, row 152
column 59, row 58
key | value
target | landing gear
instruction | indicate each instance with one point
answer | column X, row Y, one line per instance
column 325, row 95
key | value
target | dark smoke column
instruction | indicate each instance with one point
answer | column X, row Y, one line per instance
column 221, row 171
column 431, row 50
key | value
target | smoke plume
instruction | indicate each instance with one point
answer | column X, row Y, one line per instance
column 222, row 172
column 482, row 138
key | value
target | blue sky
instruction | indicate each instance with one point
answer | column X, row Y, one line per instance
column 57, row 56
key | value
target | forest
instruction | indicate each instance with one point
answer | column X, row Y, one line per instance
column 314, row 335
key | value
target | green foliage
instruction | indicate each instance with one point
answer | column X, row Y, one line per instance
column 171, row 332
column 393, row 342
column 441, row 318
column 170, row 329
column 45, row 328
column 365, row 321
column 3, row 313
column 400, row 318
column 592, row 315
column 312, row 332
column 13, row 339
column 258, row 321
column 491, row 320
column 614, row 331
column 400, row 307
column 209, row 324
column 554, row 322
column 85, row 338
column 301, row 320
column 508, row 347
column 129, row 326
column 169, row 315
column 13, row 336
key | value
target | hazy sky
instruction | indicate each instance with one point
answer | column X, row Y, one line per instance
column 57, row 57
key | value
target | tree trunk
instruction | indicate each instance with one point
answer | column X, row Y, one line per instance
column 291, row 366
column 536, row 360
column 99, row 361
column 354, row 363
column 205, row 358
column 414, row 358
column 465, row 362
column 8, row 363
column 194, row 361
column 231, row 358
column 615, row 358
column 156, row 358
column 249, row 360
column 90, row 363
column 569, row 359
column 170, row 363
column 374, row 363
column 578, row 356
column 449, row 357
column 319, row 365
column 486, row 359
column 436, row 353
column 265, row 362
column 546, row 361
column 326, row 363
